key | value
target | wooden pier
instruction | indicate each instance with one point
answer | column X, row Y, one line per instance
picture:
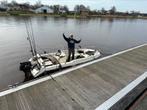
column 108, row 83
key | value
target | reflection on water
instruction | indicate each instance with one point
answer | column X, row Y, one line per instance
column 107, row 34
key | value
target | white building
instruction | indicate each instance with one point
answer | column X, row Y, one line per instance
column 44, row 9
column 3, row 7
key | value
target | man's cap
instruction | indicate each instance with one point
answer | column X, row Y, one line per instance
column 71, row 34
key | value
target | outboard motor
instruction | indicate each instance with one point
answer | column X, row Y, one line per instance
column 26, row 68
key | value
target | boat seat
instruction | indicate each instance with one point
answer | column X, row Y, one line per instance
column 60, row 54
column 48, row 63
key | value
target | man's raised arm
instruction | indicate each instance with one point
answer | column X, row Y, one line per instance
column 65, row 37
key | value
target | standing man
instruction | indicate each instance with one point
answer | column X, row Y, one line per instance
column 71, row 46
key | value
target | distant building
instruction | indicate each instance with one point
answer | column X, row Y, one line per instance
column 44, row 9
column 3, row 7
column 84, row 12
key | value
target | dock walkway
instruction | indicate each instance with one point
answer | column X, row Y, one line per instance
column 87, row 88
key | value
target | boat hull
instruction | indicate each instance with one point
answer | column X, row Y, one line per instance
column 46, row 64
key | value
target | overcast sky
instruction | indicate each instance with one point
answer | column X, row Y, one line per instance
column 121, row 5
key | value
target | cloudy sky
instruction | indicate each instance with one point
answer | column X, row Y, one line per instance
column 121, row 5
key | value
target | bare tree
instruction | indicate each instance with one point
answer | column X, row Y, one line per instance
column 13, row 3
column 38, row 4
column 103, row 11
column 88, row 8
column 77, row 8
column 66, row 9
column 112, row 10
column 83, row 8
column 56, row 8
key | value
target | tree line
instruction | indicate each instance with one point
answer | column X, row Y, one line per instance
column 77, row 8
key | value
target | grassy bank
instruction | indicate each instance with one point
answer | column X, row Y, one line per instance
column 119, row 16
column 18, row 13
column 4, row 14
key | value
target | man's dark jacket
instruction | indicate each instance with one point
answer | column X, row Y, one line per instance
column 71, row 42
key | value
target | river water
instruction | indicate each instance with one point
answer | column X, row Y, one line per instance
column 108, row 35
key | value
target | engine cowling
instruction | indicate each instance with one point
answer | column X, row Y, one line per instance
column 25, row 66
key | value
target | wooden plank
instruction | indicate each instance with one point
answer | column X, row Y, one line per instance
column 3, row 103
column 50, row 96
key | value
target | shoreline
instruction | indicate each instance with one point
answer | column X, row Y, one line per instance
column 73, row 16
